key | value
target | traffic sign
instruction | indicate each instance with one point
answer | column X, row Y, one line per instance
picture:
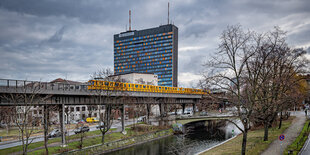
column 281, row 137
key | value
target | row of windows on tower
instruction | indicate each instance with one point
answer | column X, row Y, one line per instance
column 137, row 63
column 136, row 59
column 142, row 37
column 144, row 69
column 146, row 65
column 154, row 47
column 130, row 56
column 143, row 54
column 132, row 64
column 148, row 51
column 143, row 42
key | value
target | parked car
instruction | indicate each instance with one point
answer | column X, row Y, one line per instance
column 81, row 121
column 73, row 122
column 141, row 119
column 81, row 129
column 92, row 120
column 55, row 133
column 100, row 125
column 203, row 113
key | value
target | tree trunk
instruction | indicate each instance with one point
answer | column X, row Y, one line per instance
column 280, row 123
column 81, row 140
column 244, row 141
column 175, row 110
column 102, row 138
column 45, row 129
column 23, row 143
column 266, row 130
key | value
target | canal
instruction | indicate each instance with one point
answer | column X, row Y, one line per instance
column 197, row 138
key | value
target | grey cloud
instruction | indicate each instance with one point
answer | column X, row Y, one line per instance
column 85, row 11
column 35, row 44
column 57, row 36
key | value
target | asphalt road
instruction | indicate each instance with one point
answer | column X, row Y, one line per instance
column 9, row 144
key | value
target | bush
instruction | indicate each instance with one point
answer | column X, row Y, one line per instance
column 299, row 142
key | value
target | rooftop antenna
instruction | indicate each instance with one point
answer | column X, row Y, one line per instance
column 129, row 20
column 168, row 12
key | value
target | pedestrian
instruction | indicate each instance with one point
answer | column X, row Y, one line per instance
column 306, row 112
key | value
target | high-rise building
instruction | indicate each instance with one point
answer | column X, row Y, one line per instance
column 153, row 50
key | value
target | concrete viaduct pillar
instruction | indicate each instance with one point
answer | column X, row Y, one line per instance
column 62, row 124
column 123, row 117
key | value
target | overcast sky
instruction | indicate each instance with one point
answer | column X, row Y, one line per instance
column 49, row 39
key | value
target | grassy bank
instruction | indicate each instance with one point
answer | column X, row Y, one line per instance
column 94, row 138
column 255, row 143
column 299, row 142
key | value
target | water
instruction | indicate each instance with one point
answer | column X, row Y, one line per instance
column 195, row 140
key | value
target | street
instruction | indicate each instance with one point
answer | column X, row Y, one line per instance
column 8, row 144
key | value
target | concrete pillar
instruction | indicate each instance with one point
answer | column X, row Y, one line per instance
column 62, row 124
column 160, row 109
column 183, row 108
column 123, row 117
column 194, row 109
column 148, row 109
column 46, row 122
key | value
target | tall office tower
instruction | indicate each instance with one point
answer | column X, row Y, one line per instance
column 153, row 50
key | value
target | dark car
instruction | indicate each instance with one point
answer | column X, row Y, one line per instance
column 81, row 129
column 55, row 133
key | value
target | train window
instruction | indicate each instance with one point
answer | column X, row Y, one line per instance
column 136, row 86
column 106, row 83
column 166, row 88
column 116, row 84
column 159, row 88
column 128, row 85
column 143, row 86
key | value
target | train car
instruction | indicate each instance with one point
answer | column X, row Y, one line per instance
column 121, row 86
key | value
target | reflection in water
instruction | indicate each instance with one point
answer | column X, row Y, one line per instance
column 199, row 136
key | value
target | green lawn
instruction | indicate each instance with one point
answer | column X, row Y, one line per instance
column 74, row 145
column 255, row 143
column 50, row 141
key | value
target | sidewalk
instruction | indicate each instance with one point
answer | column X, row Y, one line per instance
column 277, row 147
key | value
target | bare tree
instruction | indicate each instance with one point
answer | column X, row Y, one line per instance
column 27, row 95
column 48, row 109
column 6, row 113
column 278, row 67
column 82, row 134
column 228, row 72
column 105, row 94
column 255, row 71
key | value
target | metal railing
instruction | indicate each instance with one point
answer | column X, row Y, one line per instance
column 119, row 144
column 8, row 83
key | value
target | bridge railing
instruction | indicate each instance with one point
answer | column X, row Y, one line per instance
column 8, row 83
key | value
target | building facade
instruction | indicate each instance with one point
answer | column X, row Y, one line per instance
column 139, row 78
column 153, row 50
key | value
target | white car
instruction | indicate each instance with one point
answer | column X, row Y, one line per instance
column 141, row 119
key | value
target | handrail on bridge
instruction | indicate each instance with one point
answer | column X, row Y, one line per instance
column 9, row 83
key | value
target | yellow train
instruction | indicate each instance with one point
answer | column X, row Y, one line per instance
column 120, row 86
